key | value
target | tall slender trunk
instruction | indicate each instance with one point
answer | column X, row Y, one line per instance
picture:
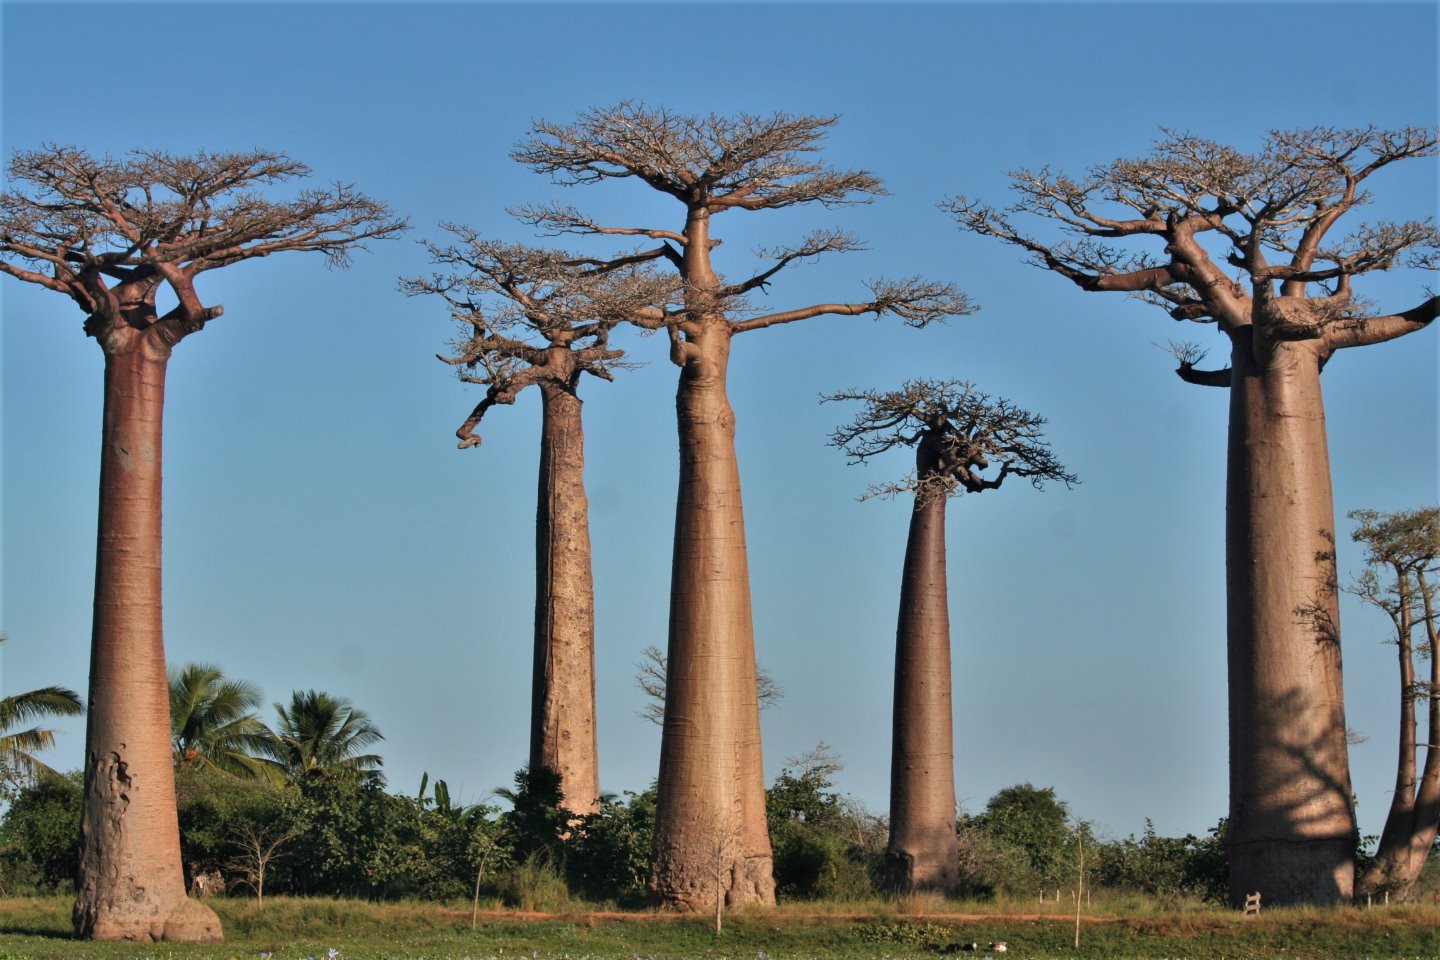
column 1427, row 797
column 131, row 885
column 711, row 785
column 1419, row 837
column 923, row 852
column 1292, row 824
column 562, row 713
column 1392, row 858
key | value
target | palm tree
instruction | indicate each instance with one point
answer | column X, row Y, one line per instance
column 18, row 764
column 322, row 734
column 213, row 723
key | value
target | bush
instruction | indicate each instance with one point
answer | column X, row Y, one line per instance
column 216, row 809
column 608, row 853
column 990, row 864
column 824, row 847
column 40, row 835
column 535, row 884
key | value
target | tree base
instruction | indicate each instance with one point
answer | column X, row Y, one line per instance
column 187, row 921
column 1292, row 872
column 906, row 874
column 750, row 880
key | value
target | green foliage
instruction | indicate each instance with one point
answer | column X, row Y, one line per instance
column 1165, row 867
column 18, row 764
column 319, row 735
column 910, row 933
column 215, row 808
column 823, row 846
column 608, row 853
column 535, row 884
column 1035, row 821
column 39, row 836
column 213, row 723
column 536, row 821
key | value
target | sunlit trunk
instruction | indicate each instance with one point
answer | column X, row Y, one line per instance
column 131, row 885
column 923, row 852
column 1292, row 825
column 562, row 718
column 711, row 804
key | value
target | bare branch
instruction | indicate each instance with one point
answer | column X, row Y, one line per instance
column 651, row 671
column 918, row 302
column 154, row 217
column 747, row 161
column 528, row 314
column 958, row 432
column 816, row 243
column 1283, row 198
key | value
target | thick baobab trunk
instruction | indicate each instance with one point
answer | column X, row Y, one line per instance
column 711, row 805
column 923, row 852
column 562, row 713
column 130, row 884
column 1292, row 824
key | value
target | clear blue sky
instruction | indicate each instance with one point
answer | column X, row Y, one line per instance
column 323, row 531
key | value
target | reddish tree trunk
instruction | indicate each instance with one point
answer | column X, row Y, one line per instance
column 131, row 885
column 562, row 717
column 711, row 804
column 1292, row 824
column 923, row 852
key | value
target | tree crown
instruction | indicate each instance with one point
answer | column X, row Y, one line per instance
column 712, row 164
column 515, row 304
column 959, row 432
column 1207, row 207
column 744, row 161
column 107, row 232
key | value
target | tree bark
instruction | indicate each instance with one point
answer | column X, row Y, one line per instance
column 711, row 784
column 923, row 853
column 562, row 716
column 131, row 885
column 1292, row 824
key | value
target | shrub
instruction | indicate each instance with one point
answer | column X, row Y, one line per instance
column 535, row 884
column 608, row 853
column 40, row 834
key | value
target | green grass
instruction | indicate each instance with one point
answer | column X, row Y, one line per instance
column 296, row 928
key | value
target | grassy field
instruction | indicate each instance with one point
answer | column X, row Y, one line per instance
column 295, row 929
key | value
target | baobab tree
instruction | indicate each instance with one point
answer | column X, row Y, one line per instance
column 1403, row 559
column 965, row 441
column 543, row 317
column 109, row 234
column 711, row 777
column 1165, row 227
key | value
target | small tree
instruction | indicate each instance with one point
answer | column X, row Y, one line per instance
column 543, row 317
column 109, row 234
column 650, row 678
column 1165, row 228
column 258, row 846
column 965, row 442
column 1403, row 558
column 711, row 769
